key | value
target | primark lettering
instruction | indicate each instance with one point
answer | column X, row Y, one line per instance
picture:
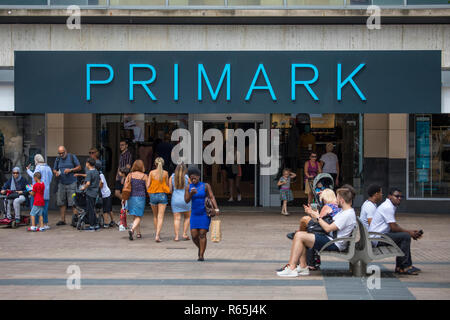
column 225, row 80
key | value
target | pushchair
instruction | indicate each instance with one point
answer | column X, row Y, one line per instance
column 81, row 218
column 321, row 182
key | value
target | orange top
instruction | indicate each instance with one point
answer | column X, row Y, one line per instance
column 157, row 186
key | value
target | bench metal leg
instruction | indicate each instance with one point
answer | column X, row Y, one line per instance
column 358, row 269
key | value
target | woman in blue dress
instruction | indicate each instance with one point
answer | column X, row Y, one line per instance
column 197, row 191
column 177, row 183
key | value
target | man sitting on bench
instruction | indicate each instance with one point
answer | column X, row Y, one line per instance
column 344, row 223
column 383, row 221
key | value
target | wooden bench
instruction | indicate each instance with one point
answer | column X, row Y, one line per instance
column 360, row 251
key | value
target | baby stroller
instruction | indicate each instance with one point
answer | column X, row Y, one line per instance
column 81, row 219
column 321, row 182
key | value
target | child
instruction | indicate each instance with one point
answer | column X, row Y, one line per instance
column 123, row 172
column 106, row 199
column 38, row 204
column 285, row 189
column 91, row 186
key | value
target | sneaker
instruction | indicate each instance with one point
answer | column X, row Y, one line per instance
column 285, row 213
column 40, row 229
column 112, row 224
column 96, row 227
column 32, row 229
column 60, row 223
column 231, row 199
column 122, row 228
column 46, row 227
column 239, row 198
column 302, row 272
column 106, row 226
column 288, row 272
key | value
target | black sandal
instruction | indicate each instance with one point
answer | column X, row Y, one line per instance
column 130, row 234
column 409, row 272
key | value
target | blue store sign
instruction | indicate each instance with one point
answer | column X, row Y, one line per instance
column 228, row 82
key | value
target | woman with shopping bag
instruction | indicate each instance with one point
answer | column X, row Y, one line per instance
column 204, row 206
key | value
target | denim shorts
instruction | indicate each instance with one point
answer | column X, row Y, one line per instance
column 158, row 198
column 322, row 240
column 36, row 211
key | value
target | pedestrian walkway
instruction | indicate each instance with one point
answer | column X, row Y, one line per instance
column 242, row 266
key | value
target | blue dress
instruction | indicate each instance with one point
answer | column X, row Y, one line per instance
column 199, row 218
column 177, row 202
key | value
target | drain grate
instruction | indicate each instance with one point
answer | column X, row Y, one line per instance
column 176, row 248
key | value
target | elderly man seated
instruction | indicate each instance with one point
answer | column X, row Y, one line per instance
column 16, row 186
column 343, row 222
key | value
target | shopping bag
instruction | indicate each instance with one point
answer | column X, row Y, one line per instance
column 216, row 233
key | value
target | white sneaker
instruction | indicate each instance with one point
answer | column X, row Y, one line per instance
column 284, row 213
column 302, row 272
column 231, row 199
column 122, row 228
column 46, row 227
column 288, row 272
column 239, row 198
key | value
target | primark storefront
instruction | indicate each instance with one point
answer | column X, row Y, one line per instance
column 369, row 104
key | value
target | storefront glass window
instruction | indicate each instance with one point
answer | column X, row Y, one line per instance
column 429, row 156
column 300, row 134
column 143, row 132
column 21, row 138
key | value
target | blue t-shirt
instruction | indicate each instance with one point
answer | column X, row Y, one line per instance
column 69, row 162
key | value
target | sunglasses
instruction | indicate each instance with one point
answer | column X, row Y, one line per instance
column 399, row 196
column 91, row 152
column 61, row 153
column 15, row 173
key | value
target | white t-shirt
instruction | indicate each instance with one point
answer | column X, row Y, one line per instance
column 367, row 210
column 330, row 161
column 384, row 215
column 106, row 192
column 346, row 222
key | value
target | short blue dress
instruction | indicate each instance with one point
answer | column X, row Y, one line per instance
column 136, row 202
column 177, row 202
column 199, row 218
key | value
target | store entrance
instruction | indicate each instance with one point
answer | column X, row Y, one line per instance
column 233, row 184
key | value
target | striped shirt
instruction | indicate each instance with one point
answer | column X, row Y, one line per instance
column 124, row 160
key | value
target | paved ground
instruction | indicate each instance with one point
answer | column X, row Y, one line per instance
column 242, row 266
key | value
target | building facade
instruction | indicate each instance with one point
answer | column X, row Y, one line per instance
column 408, row 148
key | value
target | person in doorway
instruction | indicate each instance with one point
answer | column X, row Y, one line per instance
column 125, row 161
column 370, row 205
column 177, row 183
column 158, row 188
column 384, row 221
column 164, row 150
column 344, row 223
column 285, row 189
column 197, row 191
column 330, row 163
column 15, row 185
column 46, row 178
column 136, row 180
column 91, row 185
column 65, row 166
column 38, row 203
column 311, row 169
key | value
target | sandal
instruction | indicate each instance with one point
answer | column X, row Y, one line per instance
column 176, row 240
column 186, row 238
column 130, row 234
column 139, row 236
column 409, row 272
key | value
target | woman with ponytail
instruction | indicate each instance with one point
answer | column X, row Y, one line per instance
column 177, row 183
column 158, row 187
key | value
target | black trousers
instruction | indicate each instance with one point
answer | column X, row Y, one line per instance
column 90, row 208
column 403, row 240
